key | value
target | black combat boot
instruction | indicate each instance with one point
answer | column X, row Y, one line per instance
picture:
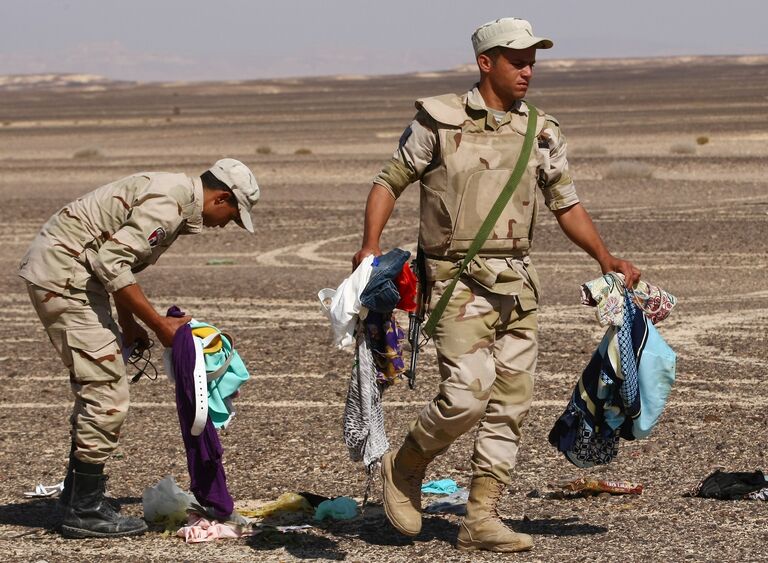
column 89, row 515
column 66, row 493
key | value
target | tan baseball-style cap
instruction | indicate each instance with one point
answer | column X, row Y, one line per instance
column 512, row 33
column 239, row 178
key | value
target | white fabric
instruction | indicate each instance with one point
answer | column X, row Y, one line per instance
column 342, row 306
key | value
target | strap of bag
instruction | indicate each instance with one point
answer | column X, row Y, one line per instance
column 490, row 220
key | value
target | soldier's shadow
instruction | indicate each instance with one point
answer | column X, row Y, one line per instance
column 375, row 529
column 299, row 545
column 41, row 513
column 555, row 527
column 37, row 513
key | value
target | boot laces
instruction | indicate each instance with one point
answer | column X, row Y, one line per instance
column 494, row 496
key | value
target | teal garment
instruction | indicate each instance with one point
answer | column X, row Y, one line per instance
column 222, row 388
column 440, row 487
column 339, row 508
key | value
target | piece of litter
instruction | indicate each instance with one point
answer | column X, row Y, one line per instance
column 45, row 491
column 440, row 487
column 300, row 528
column 287, row 502
column 587, row 485
column 220, row 262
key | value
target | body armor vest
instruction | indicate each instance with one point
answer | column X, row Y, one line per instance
column 474, row 166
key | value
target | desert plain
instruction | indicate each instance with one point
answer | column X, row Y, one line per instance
column 669, row 156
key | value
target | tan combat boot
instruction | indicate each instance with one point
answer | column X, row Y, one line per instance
column 402, row 473
column 482, row 528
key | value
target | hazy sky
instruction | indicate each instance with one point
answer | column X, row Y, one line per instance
column 239, row 39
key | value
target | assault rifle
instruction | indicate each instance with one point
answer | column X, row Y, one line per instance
column 416, row 318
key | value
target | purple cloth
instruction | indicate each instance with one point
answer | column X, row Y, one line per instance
column 206, row 472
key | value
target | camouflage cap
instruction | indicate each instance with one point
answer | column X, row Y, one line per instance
column 512, row 33
column 239, row 178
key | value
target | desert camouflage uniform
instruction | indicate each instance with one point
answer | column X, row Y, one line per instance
column 88, row 249
column 486, row 339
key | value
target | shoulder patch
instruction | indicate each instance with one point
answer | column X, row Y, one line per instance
column 156, row 237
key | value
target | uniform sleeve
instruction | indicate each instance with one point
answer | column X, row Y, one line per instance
column 554, row 177
column 411, row 158
column 153, row 218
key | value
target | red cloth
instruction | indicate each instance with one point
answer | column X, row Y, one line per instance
column 406, row 282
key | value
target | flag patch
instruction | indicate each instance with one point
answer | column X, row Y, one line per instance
column 157, row 236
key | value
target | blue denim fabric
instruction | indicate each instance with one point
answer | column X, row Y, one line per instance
column 381, row 293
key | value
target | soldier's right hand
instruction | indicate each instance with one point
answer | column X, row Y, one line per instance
column 362, row 253
column 167, row 326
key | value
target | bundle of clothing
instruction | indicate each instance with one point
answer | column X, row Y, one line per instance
column 360, row 311
column 624, row 388
column 737, row 485
column 207, row 372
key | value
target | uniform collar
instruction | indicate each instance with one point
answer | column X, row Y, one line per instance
column 475, row 102
column 193, row 211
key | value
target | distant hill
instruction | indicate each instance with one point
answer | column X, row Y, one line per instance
column 94, row 82
column 84, row 82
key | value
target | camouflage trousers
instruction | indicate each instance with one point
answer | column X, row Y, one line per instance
column 88, row 341
column 487, row 349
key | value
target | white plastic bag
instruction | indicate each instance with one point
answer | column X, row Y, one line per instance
column 166, row 503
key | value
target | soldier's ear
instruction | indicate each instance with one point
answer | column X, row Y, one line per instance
column 484, row 62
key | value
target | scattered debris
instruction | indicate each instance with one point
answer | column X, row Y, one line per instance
column 45, row 491
column 587, row 486
column 733, row 486
column 287, row 502
column 440, row 487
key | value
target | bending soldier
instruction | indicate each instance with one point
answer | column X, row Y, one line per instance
column 89, row 250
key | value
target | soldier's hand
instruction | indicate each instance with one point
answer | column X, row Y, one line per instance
column 167, row 326
column 134, row 333
column 625, row 267
column 362, row 253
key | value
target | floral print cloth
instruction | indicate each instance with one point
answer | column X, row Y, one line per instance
column 606, row 293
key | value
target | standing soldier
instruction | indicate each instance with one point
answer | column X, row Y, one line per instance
column 89, row 250
column 463, row 150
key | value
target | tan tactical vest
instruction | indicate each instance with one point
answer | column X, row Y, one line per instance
column 474, row 165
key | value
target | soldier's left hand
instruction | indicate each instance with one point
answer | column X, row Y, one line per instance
column 628, row 269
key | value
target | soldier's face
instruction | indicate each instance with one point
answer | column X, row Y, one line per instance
column 512, row 70
column 219, row 211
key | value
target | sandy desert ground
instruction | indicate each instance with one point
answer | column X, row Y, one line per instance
column 697, row 225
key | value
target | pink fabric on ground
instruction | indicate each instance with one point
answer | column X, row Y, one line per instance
column 200, row 529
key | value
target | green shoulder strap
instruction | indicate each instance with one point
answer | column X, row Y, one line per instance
column 490, row 220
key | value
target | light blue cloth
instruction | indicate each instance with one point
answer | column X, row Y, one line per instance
column 656, row 374
column 440, row 487
column 340, row 508
column 223, row 387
